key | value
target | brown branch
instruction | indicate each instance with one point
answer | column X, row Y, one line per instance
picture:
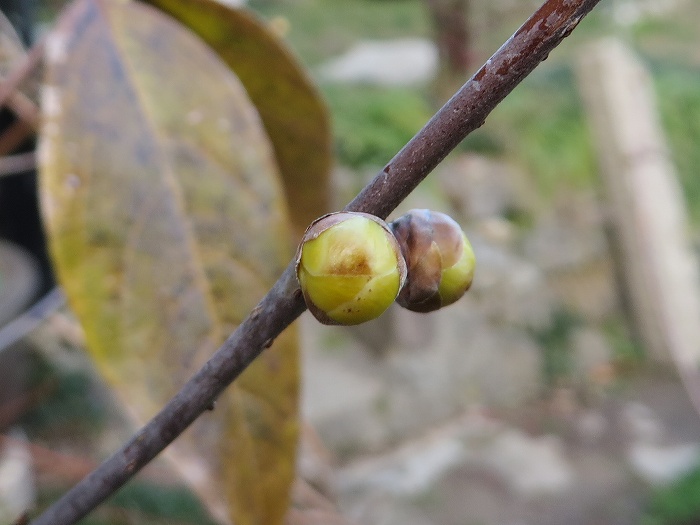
column 16, row 407
column 25, row 109
column 21, row 72
column 462, row 114
column 19, row 163
column 67, row 468
column 14, row 136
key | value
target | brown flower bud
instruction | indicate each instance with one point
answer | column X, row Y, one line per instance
column 439, row 257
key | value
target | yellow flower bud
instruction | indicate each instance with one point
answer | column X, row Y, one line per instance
column 439, row 257
column 349, row 267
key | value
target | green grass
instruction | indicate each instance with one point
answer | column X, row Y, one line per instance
column 627, row 353
column 555, row 341
column 320, row 29
column 76, row 411
column 542, row 127
column 677, row 504
column 678, row 92
column 144, row 503
column 71, row 403
column 167, row 503
column 371, row 124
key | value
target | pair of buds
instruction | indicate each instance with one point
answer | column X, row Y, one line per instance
column 352, row 266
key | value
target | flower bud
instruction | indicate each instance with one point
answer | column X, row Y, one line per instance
column 439, row 257
column 349, row 267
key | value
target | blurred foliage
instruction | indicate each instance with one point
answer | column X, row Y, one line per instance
column 319, row 29
column 168, row 503
column 542, row 127
column 143, row 503
column 676, row 504
column 70, row 395
column 678, row 88
column 555, row 341
column 71, row 405
column 627, row 353
column 372, row 124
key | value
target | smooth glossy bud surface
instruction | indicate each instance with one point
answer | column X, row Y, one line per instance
column 439, row 257
column 349, row 267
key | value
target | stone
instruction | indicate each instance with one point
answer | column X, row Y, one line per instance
column 589, row 290
column 399, row 62
column 569, row 236
column 17, row 485
column 467, row 362
column 591, row 352
column 641, row 423
column 570, row 247
column 409, row 470
column 479, row 187
column 509, row 289
column 360, row 402
column 340, row 389
column 529, row 465
column 497, row 230
column 414, row 331
column 314, row 461
column 414, row 465
column 383, row 509
column 591, row 426
column 659, row 465
column 19, row 280
column 377, row 335
column 630, row 12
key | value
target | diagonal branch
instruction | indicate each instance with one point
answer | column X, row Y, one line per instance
column 20, row 73
column 462, row 114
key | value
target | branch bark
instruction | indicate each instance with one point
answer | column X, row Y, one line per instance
column 20, row 73
column 462, row 114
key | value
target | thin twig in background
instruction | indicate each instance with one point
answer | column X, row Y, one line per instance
column 24, row 107
column 13, row 409
column 19, row 163
column 67, row 467
column 463, row 113
column 21, row 72
column 14, row 136
column 27, row 112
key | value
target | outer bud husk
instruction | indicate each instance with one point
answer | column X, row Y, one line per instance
column 439, row 257
column 350, row 268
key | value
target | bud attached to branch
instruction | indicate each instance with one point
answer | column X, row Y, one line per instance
column 439, row 257
column 350, row 268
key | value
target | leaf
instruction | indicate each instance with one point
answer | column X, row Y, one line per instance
column 294, row 115
column 167, row 223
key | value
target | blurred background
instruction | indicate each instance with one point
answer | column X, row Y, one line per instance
column 559, row 390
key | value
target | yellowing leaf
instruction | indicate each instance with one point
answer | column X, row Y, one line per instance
column 292, row 111
column 167, row 223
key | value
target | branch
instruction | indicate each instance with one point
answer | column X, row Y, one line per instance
column 21, row 72
column 18, row 163
column 462, row 114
